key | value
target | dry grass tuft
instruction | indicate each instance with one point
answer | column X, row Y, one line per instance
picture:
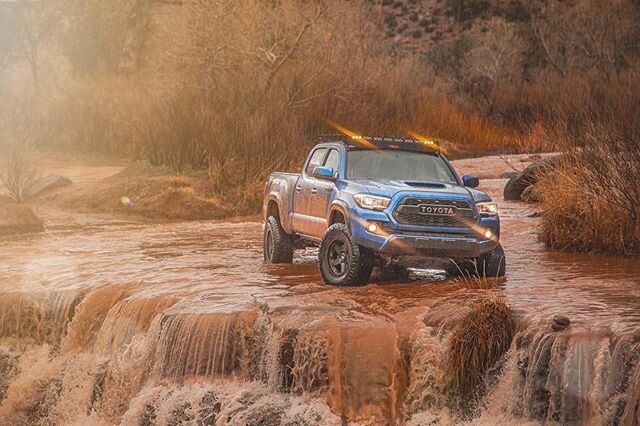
column 474, row 347
column 591, row 202
column 586, row 211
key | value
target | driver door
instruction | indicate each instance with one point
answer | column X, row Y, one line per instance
column 322, row 193
column 303, row 195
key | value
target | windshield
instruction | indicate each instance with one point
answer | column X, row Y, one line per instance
column 398, row 165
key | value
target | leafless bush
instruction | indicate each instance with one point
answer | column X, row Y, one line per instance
column 18, row 172
column 592, row 202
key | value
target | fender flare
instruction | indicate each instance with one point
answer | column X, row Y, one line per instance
column 276, row 199
column 339, row 206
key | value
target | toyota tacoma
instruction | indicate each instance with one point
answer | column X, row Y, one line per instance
column 374, row 201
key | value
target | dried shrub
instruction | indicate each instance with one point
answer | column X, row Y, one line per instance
column 475, row 346
column 18, row 171
column 592, row 201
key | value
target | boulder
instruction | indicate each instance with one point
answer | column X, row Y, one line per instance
column 18, row 219
column 509, row 175
column 531, row 194
column 529, row 176
column 48, row 184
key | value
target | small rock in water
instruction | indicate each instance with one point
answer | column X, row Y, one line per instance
column 560, row 322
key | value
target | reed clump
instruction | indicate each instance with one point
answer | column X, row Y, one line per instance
column 475, row 346
column 591, row 200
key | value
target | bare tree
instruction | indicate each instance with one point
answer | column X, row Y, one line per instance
column 31, row 24
column 588, row 34
column 496, row 56
column 18, row 171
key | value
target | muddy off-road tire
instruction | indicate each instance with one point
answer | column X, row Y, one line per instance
column 492, row 264
column 342, row 261
column 489, row 265
column 462, row 268
column 277, row 245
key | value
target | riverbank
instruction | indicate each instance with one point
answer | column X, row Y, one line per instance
column 139, row 192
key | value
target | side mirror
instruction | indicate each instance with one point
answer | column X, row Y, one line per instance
column 470, row 181
column 325, row 173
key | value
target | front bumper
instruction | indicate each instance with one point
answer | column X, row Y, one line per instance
column 451, row 246
column 453, row 243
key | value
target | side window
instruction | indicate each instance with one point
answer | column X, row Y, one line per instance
column 316, row 160
column 333, row 160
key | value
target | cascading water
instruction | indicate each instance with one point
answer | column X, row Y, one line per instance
column 120, row 331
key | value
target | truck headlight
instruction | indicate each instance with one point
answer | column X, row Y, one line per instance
column 371, row 202
column 487, row 209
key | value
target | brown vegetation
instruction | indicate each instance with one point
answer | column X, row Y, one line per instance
column 591, row 202
column 475, row 346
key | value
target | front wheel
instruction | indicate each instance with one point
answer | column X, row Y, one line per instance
column 342, row 261
column 490, row 265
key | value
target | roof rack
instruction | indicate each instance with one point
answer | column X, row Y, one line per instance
column 383, row 142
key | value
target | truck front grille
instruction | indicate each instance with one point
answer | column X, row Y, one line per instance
column 408, row 213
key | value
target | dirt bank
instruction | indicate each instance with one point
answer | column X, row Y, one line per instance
column 140, row 191
column 18, row 219
column 147, row 192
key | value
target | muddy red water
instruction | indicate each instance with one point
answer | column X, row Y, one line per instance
column 126, row 323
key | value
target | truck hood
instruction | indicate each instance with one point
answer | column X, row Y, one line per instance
column 389, row 188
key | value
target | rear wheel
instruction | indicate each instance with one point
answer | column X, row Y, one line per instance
column 277, row 244
column 342, row 261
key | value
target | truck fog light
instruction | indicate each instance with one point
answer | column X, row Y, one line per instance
column 372, row 227
column 488, row 234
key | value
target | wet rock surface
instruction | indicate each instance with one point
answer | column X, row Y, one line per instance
column 560, row 322
column 520, row 182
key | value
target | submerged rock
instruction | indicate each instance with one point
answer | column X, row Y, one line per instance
column 560, row 322
column 18, row 219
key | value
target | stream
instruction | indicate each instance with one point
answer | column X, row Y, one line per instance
column 182, row 323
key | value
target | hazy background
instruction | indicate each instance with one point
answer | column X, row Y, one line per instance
column 240, row 88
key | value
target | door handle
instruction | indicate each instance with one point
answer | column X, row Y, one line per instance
column 314, row 191
column 298, row 188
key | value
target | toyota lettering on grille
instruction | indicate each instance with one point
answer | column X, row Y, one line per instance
column 437, row 210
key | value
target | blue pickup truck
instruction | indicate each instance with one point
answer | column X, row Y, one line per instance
column 375, row 201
